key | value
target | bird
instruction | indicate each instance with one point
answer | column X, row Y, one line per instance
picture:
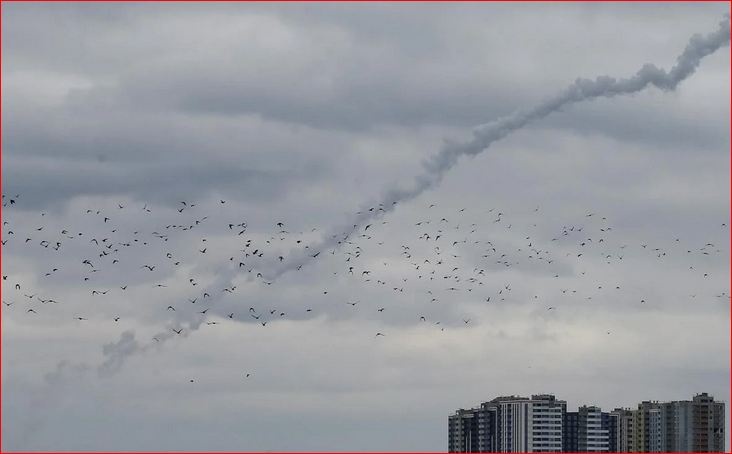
column 422, row 271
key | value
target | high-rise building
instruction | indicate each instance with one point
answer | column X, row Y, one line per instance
column 647, row 436
column 474, row 430
column 588, row 430
column 488, row 420
column 611, row 422
column 462, row 431
column 593, row 437
column 707, row 424
column 570, row 432
column 531, row 425
column 679, row 426
column 624, row 435
column 542, row 424
column 509, row 424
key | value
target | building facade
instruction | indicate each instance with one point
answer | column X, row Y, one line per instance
column 647, row 423
column 543, row 424
column 570, row 432
column 531, row 425
column 610, row 422
column 462, row 432
column 707, row 424
column 589, row 430
column 593, row 435
column 695, row 425
column 624, row 434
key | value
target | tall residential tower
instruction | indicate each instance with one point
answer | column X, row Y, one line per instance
column 543, row 424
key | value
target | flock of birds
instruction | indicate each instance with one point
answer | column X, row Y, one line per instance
column 431, row 266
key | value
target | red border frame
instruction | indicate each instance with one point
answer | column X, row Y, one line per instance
column 729, row 219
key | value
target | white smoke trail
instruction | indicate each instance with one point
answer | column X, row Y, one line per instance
column 435, row 168
column 484, row 135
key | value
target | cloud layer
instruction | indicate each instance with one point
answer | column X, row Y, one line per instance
column 301, row 114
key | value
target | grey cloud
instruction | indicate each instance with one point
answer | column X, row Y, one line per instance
column 582, row 90
column 306, row 114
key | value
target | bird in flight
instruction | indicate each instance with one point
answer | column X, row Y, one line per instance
column 436, row 262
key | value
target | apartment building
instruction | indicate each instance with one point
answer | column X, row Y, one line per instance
column 542, row 423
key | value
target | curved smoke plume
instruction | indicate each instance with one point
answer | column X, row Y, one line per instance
column 435, row 168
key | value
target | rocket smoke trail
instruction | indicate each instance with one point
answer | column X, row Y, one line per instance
column 435, row 168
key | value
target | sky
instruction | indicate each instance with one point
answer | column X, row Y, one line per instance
column 310, row 115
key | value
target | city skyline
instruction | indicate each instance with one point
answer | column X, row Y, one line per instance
column 225, row 219
column 543, row 423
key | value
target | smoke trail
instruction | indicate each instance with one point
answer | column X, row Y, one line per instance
column 116, row 353
column 55, row 387
column 435, row 168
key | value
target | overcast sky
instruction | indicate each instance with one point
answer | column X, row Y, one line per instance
column 306, row 114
